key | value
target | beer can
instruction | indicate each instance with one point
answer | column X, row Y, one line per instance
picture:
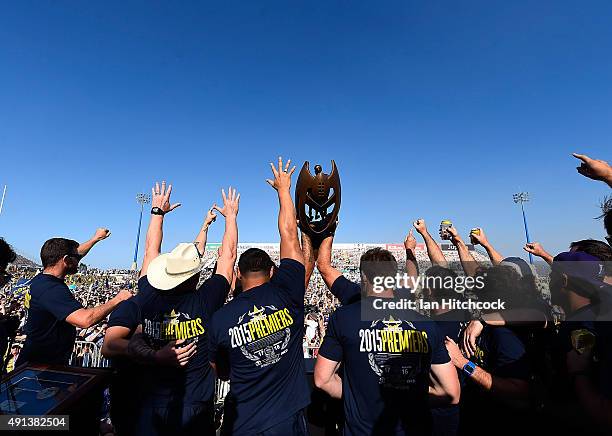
column 444, row 226
column 475, row 231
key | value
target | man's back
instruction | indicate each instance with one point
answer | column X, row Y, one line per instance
column 172, row 315
column 386, row 369
column 260, row 332
column 50, row 338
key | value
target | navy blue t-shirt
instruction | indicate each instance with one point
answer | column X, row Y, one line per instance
column 258, row 335
column 500, row 352
column 50, row 339
column 126, row 314
column 345, row 291
column 171, row 315
column 386, row 370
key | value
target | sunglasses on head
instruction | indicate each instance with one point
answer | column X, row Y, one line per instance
column 75, row 256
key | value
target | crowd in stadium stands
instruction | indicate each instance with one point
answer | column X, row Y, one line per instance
column 248, row 314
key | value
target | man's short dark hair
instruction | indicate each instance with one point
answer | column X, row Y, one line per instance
column 55, row 249
column 254, row 260
column 598, row 249
column 503, row 283
column 378, row 262
column 7, row 254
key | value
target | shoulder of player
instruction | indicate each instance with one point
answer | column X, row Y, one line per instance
column 43, row 283
column 214, row 280
column 227, row 312
column 348, row 311
column 291, row 265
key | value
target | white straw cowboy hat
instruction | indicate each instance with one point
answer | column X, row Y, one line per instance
column 169, row 270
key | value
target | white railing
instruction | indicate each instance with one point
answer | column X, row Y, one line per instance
column 87, row 355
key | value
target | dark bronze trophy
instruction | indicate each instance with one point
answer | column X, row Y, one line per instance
column 317, row 200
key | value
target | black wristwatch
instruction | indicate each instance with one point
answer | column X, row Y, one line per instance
column 157, row 211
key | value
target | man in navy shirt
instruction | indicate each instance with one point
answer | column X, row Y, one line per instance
column 126, row 386
column 496, row 388
column 389, row 363
column 256, row 339
column 53, row 312
column 177, row 383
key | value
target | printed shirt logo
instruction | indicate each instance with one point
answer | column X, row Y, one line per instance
column 173, row 326
column 262, row 334
column 398, row 353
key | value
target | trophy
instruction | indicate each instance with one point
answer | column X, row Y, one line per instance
column 317, row 200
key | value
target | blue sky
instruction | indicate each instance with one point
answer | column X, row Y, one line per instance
column 431, row 109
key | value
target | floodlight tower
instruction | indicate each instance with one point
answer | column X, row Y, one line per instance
column 141, row 199
column 522, row 198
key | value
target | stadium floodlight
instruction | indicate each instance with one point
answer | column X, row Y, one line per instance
column 141, row 199
column 522, row 198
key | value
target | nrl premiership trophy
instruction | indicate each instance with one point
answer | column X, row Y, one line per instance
column 317, row 202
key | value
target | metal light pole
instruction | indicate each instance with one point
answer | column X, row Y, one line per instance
column 141, row 199
column 522, row 198
column 2, row 201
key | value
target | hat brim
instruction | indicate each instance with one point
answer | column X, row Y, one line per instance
column 160, row 279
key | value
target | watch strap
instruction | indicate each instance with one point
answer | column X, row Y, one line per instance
column 157, row 211
column 469, row 368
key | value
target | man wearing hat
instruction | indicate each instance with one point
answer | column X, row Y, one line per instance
column 177, row 382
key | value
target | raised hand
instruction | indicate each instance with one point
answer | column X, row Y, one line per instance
column 211, row 217
column 454, row 235
column 595, row 169
column 230, row 203
column 101, row 234
column 160, row 197
column 420, row 226
column 410, row 241
column 480, row 238
column 282, row 175
column 536, row 249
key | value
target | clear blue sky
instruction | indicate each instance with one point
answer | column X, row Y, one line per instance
column 432, row 109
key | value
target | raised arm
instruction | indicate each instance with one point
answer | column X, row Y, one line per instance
column 536, row 249
column 202, row 236
column 229, row 244
column 481, row 239
column 287, row 221
column 412, row 267
column 324, row 262
column 595, row 169
column 468, row 262
column 310, row 256
column 160, row 198
column 100, row 235
column 433, row 249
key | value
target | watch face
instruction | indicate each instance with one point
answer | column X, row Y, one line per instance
column 469, row 368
